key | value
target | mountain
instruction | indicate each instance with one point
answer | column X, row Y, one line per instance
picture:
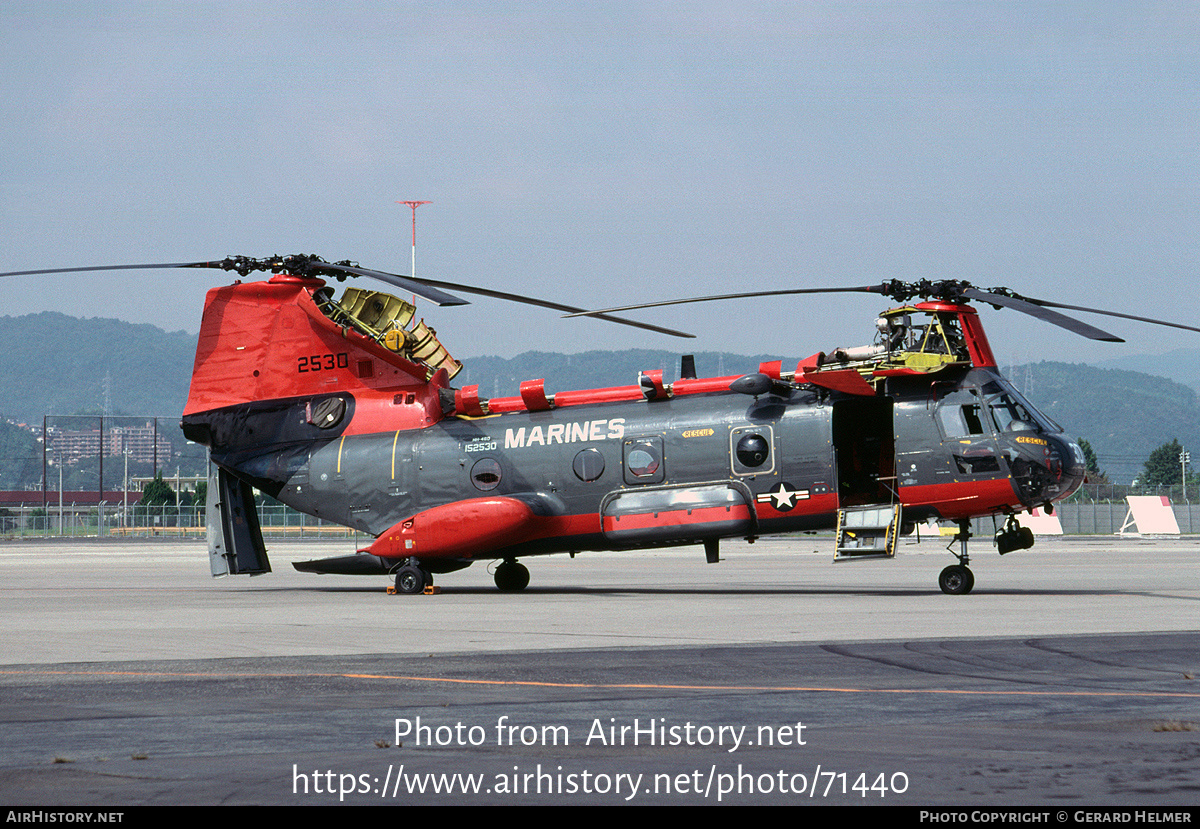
column 66, row 365
column 62, row 365
column 1181, row 365
column 1124, row 414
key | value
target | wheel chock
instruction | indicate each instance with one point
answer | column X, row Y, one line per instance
column 430, row 590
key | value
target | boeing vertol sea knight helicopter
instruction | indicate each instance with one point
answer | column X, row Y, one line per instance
column 342, row 408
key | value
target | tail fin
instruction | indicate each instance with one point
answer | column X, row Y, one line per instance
column 287, row 338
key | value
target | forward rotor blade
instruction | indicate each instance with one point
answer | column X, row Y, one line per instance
column 554, row 306
column 1150, row 320
column 866, row 289
column 1036, row 309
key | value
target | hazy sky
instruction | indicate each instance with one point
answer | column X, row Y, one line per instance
column 596, row 153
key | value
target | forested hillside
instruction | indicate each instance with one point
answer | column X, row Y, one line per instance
column 62, row 365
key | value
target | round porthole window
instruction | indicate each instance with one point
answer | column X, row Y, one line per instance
column 485, row 474
column 588, row 465
column 752, row 450
column 642, row 463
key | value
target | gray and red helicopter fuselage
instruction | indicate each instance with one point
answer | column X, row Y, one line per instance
column 442, row 478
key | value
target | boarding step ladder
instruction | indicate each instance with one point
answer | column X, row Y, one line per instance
column 867, row 532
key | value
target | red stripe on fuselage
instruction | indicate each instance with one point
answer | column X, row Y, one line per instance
column 675, row 518
column 964, row 499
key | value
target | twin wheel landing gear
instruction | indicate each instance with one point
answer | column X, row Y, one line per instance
column 411, row 579
column 956, row 580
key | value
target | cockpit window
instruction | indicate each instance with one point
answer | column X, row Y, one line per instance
column 960, row 415
column 1012, row 413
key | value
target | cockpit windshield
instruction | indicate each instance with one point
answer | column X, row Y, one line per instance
column 1010, row 412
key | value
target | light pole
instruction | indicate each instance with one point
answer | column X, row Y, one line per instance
column 125, row 485
column 414, row 205
column 60, row 494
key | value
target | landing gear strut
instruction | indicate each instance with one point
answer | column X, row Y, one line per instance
column 511, row 577
column 411, row 579
column 957, row 579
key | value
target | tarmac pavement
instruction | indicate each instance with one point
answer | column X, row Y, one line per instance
column 1066, row 679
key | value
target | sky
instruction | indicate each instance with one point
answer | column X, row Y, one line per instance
column 614, row 152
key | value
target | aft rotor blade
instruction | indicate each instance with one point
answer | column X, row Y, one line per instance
column 865, row 289
column 112, row 268
column 554, row 306
column 1036, row 309
column 421, row 288
column 307, row 265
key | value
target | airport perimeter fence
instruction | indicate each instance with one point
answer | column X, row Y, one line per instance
column 135, row 521
column 114, row 521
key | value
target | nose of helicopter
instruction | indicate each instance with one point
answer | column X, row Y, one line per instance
column 1049, row 468
column 1074, row 467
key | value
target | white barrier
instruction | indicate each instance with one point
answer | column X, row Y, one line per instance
column 1041, row 523
column 1152, row 514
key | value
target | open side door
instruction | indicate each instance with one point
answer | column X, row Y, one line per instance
column 864, row 445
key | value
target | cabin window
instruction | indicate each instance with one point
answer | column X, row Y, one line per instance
column 750, row 450
column 1009, row 413
column 974, row 464
column 961, row 415
column 588, row 465
column 644, row 461
column 960, row 420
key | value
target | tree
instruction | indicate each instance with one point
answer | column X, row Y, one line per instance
column 1162, row 468
column 157, row 493
column 1095, row 474
column 197, row 497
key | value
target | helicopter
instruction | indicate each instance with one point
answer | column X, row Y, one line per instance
column 342, row 407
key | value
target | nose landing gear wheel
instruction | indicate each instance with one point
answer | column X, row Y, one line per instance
column 956, row 580
column 512, row 577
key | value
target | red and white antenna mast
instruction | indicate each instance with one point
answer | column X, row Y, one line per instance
column 414, row 205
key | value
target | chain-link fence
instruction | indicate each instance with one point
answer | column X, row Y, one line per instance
column 115, row 520
column 1094, row 510
column 1115, row 493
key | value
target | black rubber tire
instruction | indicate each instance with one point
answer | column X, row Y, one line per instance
column 411, row 580
column 512, row 577
column 956, row 580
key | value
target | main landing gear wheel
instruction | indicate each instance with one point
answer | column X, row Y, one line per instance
column 956, row 580
column 412, row 580
column 512, row 577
